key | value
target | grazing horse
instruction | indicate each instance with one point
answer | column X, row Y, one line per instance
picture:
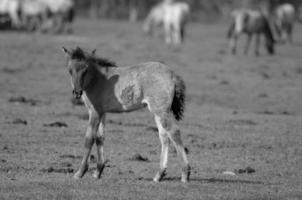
column 62, row 12
column 284, row 19
column 173, row 16
column 154, row 18
column 33, row 14
column 11, row 8
column 250, row 22
column 106, row 88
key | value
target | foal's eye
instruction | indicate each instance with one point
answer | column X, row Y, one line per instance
column 69, row 71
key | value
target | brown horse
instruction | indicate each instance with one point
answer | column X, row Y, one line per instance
column 250, row 22
column 106, row 88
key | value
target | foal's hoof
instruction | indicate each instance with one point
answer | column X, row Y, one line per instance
column 159, row 176
column 81, row 172
column 185, row 175
column 96, row 174
column 99, row 170
column 78, row 175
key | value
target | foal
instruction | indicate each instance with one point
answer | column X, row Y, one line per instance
column 250, row 22
column 106, row 88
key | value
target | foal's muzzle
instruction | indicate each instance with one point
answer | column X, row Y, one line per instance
column 77, row 94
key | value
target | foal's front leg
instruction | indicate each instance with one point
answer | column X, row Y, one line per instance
column 99, row 141
column 94, row 121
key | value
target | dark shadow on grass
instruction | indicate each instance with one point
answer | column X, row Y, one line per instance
column 212, row 180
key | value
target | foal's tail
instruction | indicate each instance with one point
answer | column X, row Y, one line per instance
column 178, row 103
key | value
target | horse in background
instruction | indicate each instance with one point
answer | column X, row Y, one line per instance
column 62, row 15
column 11, row 8
column 172, row 16
column 154, row 19
column 250, row 22
column 106, row 88
column 283, row 20
column 34, row 13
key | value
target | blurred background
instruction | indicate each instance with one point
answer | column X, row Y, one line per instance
column 201, row 9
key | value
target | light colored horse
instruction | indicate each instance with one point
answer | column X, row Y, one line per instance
column 11, row 8
column 173, row 16
column 154, row 19
column 284, row 20
column 250, row 22
column 62, row 12
column 106, row 88
column 33, row 14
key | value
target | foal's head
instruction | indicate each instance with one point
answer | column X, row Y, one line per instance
column 78, row 65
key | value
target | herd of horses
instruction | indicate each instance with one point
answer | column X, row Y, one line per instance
column 275, row 27
column 37, row 15
column 278, row 27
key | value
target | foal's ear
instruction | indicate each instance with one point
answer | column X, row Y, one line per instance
column 66, row 51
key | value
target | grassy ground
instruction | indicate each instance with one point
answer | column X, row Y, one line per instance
column 241, row 111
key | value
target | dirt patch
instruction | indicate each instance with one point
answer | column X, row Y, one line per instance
column 247, row 170
column 11, row 70
column 269, row 112
column 152, row 129
column 139, row 157
column 70, row 156
column 56, row 124
column 19, row 121
column 57, row 170
column 110, row 121
column 218, row 145
column 242, row 122
column 24, row 100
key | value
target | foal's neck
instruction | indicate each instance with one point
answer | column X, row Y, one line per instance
column 100, row 73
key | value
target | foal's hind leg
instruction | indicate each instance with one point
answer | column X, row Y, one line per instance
column 99, row 141
column 94, row 121
column 164, row 140
column 169, row 124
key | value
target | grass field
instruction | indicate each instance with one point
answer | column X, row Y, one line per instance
column 241, row 112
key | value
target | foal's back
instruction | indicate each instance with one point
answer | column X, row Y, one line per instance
column 150, row 83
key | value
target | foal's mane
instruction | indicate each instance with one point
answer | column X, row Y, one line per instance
column 79, row 54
